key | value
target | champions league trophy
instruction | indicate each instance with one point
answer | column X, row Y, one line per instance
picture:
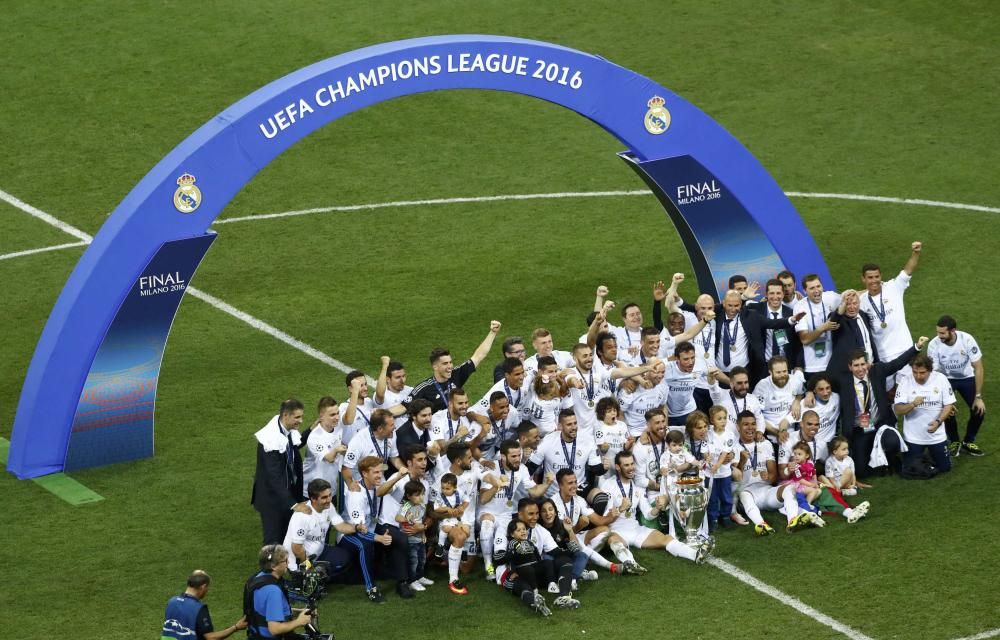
column 688, row 496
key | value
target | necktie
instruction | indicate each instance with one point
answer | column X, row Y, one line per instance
column 725, row 345
column 290, row 457
column 775, row 349
column 865, row 397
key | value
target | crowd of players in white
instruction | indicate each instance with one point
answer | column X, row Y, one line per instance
column 570, row 452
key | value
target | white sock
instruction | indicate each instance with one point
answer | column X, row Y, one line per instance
column 454, row 559
column 598, row 542
column 596, row 558
column 848, row 513
column 442, row 537
column 751, row 507
column 486, row 540
column 622, row 552
column 791, row 503
column 681, row 550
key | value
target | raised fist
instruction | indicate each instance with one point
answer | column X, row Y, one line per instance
column 602, row 291
column 495, row 326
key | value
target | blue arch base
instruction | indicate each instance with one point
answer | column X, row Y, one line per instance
column 672, row 143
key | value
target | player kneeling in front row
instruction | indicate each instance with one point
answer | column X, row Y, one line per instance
column 627, row 499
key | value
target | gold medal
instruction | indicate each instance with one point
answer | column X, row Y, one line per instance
column 754, row 473
column 732, row 347
column 590, row 404
column 884, row 325
column 510, row 503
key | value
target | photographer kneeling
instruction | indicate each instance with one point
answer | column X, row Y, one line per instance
column 265, row 600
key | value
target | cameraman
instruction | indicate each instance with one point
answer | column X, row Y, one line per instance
column 265, row 600
column 186, row 616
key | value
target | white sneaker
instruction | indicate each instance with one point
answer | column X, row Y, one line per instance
column 817, row 521
column 588, row 575
column 416, row 586
column 852, row 515
column 425, row 581
column 573, row 585
column 863, row 508
column 553, row 587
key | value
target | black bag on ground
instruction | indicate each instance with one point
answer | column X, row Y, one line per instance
column 918, row 470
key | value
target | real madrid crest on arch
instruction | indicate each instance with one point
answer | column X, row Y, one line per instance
column 188, row 196
column 657, row 119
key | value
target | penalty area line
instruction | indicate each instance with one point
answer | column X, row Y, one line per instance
column 786, row 599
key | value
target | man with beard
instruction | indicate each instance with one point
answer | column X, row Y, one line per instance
column 377, row 440
column 452, row 425
column 512, row 384
column 956, row 354
column 757, row 491
column 416, row 430
column 469, row 476
column 627, row 499
column 497, row 502
column 503, row 424
column 780, row 398
column 682, row 375
column 588, row 384
column 566, row 449
column 826, row 403
column 737, row 398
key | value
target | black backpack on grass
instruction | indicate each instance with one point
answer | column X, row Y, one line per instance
column 919, row 469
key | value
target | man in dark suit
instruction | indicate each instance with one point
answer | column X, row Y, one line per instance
column 865, row 406
column 417, row 430
column 739, row 336
column 778, row 342
column 853, row 333
column 277, row 483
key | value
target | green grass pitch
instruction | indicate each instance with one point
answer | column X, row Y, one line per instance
column 878, row 97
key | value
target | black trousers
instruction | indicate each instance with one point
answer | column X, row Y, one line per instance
column 395, row 558
column 861, row 445
column 274, row 525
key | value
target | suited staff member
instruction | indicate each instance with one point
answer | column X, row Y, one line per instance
column 784, row 341
column 853, row 333
column 865, row 407
column 187, row 617
column 739, row 334
column 277, row 483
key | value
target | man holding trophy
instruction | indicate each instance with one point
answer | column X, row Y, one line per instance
column 627, row 499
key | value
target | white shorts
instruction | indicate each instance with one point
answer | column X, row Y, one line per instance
column 764, row 495
column 633, row 533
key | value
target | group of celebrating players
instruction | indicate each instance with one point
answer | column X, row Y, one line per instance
column 784, row 402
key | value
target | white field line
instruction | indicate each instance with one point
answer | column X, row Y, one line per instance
column 312, row 352
column 28, row 252
column 992, row 633
column 6, row 197
column 256, row 323
column 585, row 194
column 45, row 217
column 786, row 599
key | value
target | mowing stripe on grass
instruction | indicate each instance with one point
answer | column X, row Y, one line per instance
column 59, row 484
column 786, row 599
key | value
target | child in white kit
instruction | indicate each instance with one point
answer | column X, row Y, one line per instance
column 675, row 459
column 839, row 469
column 611, row 434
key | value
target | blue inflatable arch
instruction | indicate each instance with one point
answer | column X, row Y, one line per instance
column 89, row 393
